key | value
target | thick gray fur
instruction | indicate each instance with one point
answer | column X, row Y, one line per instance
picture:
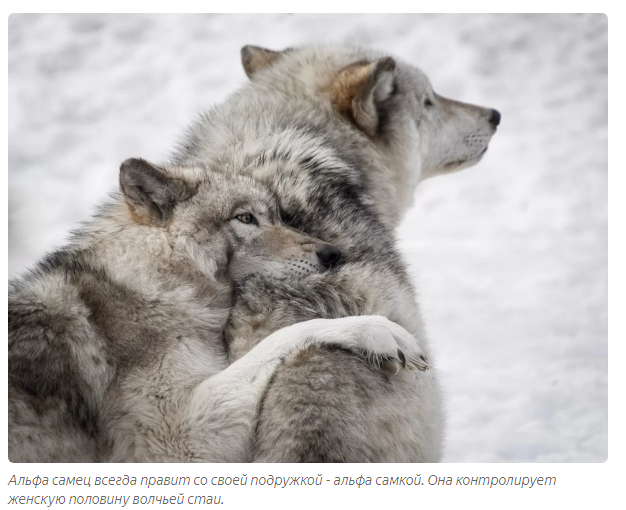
column 116, row 348
column 343, row 136
column 116, row 342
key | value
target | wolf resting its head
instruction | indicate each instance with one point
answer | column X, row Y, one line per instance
column 224, row 222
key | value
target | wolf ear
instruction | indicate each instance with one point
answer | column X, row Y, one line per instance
column 151, row 195
column 360, row 90
column 254, row 58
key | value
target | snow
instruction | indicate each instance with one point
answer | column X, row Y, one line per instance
column 509, row 257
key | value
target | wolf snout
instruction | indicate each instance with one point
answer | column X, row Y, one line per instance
column 495, row 118
column 329, row 255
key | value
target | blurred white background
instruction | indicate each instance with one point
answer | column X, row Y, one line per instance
column 509, row 257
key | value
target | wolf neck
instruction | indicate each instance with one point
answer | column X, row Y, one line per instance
column 145, row 258
column 391, row 187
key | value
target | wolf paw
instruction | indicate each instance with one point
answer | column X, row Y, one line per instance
column 384, row 343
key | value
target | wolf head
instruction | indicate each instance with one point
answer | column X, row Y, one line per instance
column 418, row 132
column 224, row 223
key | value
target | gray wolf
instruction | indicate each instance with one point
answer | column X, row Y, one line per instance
column 116, row 348
column 343, row 136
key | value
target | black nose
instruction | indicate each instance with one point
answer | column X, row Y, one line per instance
column 495, row 118
column 328, row 255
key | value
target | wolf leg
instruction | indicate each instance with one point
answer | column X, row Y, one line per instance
column 220, row 413
column 324, row 406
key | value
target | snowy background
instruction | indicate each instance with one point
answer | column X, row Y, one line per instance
column 510, row 257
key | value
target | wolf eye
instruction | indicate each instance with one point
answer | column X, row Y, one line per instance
column 428, row 102
column 247, row 218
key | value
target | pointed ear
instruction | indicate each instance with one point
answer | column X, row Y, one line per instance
column 151, row 195
column 254, row 58
column 360, row 91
